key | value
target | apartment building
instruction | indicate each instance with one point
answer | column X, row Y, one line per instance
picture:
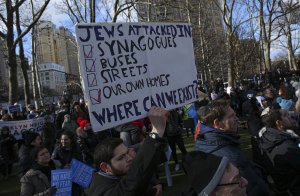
column 57, row 45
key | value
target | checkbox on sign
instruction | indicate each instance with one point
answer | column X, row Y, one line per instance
column 90, row 65
column 92, row 80
column 95, row 96
column 88, row 51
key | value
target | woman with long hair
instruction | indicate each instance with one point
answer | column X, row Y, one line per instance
column 66, row 150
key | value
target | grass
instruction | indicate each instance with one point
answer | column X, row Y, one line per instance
column 11, row 186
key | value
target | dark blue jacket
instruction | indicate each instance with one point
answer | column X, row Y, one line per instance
column 227, row 144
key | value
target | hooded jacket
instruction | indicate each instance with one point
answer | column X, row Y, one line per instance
column 281, row 151
column 35, row 183
column 227, row 144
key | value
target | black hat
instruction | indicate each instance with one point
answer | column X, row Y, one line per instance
column 204, row 171
column 4, row 128
column 29, row 136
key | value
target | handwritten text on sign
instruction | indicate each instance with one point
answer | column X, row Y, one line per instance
column 129, row 67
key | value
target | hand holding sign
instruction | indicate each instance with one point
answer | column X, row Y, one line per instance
column 52, row 190
column 158, row 117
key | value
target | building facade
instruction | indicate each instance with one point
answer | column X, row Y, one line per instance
column 57, row 46
column 52, row 78
column 208, row 30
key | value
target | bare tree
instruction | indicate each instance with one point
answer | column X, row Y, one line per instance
column 268, row 14
column 37, row 89
column 8, row 19
column 287, row 24
column 92, row 10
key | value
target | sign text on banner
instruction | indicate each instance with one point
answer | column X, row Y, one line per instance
column 82, row 173
column 128, row 67
column 18, row 127
column 62, row 180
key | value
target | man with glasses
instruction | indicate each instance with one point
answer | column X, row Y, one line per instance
column 122, row 171
column 218, row 136
column 212, row 175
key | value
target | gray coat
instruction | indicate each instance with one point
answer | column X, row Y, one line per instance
column 35, row 183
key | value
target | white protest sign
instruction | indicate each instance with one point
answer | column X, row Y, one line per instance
column 128, row 67
column 19, row 126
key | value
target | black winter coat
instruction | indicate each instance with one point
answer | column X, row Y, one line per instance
column 281, row 153
column 138, row 178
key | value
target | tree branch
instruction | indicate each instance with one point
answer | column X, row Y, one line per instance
column 3, row 19
column 35, row 20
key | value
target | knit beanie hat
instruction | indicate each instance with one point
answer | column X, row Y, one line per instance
column 204, row 171
column 79, row 119
column 30, row 136
column 82, row 122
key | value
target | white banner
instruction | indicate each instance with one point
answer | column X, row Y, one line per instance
column 18, row 127
column 128, row 67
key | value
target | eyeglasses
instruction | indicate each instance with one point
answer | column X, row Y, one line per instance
column 228, row 184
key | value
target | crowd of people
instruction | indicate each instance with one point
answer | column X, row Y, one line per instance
column 126, row 158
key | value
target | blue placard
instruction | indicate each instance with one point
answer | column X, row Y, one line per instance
column 14, row 108
column 62, row 180
column 192, row 111
column 82, row 173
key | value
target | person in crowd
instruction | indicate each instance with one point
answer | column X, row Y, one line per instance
column 6, row 117
column 83, row 106
column 7, row 151
column 78, row 112
column 121, row 171
column 281, row 152
column 212, row 175
column 284, row 99
column 31, row 140
column 31, row 112
column 2, row 112
column 297, row 106
column 219, row 136
column 268, row 98
column 130, row 133
column 213, row 95
column 49, row 133
column 37, row 180
column 173, row 133
column 222, row 94
column 66, row 150
column 69, row 124
column 252, row 113
column 61, row 115
column 87, row 141
column 16, row 116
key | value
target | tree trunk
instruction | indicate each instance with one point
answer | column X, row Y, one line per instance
column 24, row 64
column 92, row 4
column 230, row 68
column 12, row 61
column 37, row 94
column 13, row 78
column 291, row 55
column 267, row 52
